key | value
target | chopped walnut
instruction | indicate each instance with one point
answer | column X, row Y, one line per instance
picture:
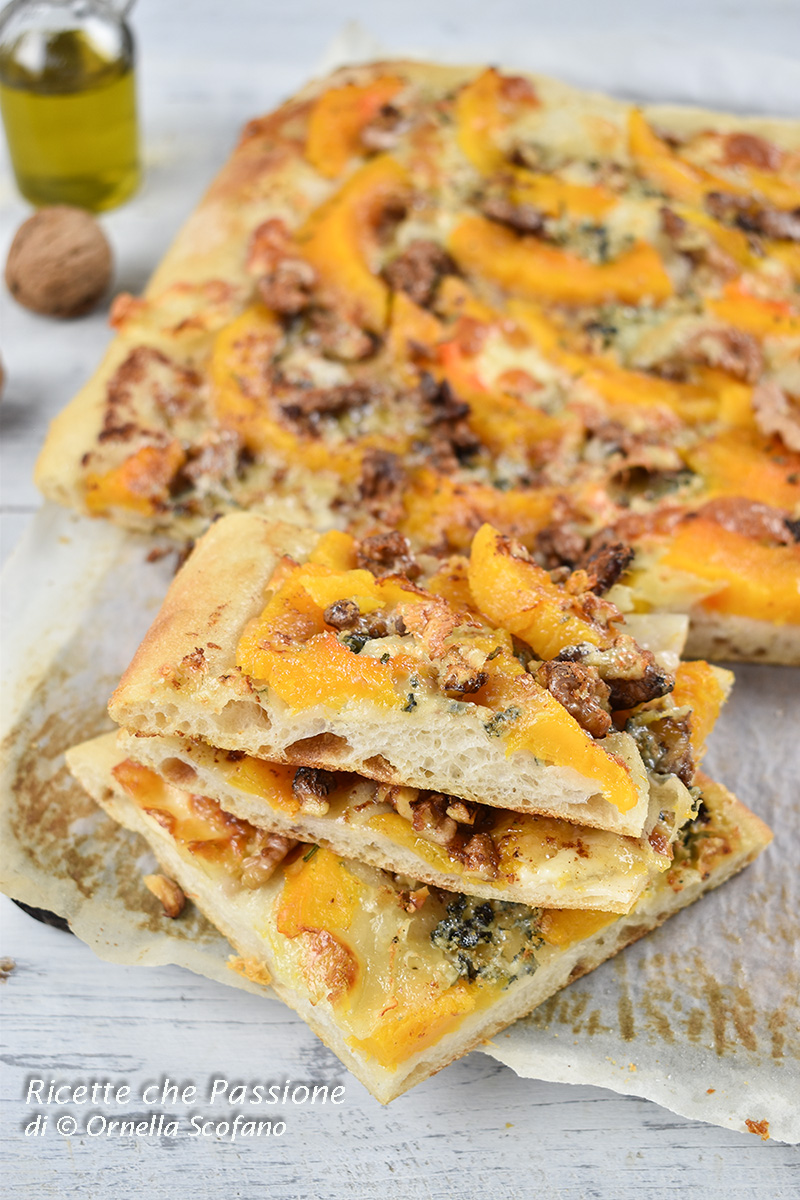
column 560, row 544
column 387, row 554
column 385, row 129
column 412, row 902
column 342, row 614
column 777, row 412
column 754, row 216
column 581, row 691
column 346, row 615
column 214, row 457
column 311, row 786
column 400, row 797
column 381, row 485
column 522, row 218
column 752, row 151
column 732, row 350
column 168, row 892
column 458, row 673
column 452, row 441
column 269, row 243
column 480, row 856
column 307, row 405
column 631, row 672
column 697, row 245
column 665, row 743
column 286, row 280
column 340, row 338
column 418, row 269
column 258, row 868
column 288, row 288
column 605, row 566
column 430, row 819
column 462, row 811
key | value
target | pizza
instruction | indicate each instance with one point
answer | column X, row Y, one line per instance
column 397, row 978
column 323, row 652
column 438, row 839
column 422, row 299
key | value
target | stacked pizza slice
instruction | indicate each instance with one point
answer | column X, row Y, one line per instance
column 417, row 795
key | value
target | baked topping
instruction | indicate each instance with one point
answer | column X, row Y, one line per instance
column 387, row 554
column 554, row 340
column 418, row 270
column 581, row 691
column 311, row 787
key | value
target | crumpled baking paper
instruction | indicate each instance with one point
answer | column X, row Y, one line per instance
column 77, row 597
column 702, row 1016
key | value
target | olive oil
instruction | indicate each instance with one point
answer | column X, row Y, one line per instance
column 70, row 119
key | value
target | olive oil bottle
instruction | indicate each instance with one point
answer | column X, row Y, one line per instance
column 68, row 102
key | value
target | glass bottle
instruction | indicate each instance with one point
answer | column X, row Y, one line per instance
column 68, row 101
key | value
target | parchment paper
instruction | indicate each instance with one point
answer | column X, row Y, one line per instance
column 702, row 1016
column 76, row 598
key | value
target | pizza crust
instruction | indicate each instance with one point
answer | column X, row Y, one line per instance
column 742, row 639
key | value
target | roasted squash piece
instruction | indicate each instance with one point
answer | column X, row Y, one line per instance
column 442, row 512
column 139, row 484
column 519, row 595
column 738, row 462
column 408, row 1026
column 321, row 671
column 658, row 163
column 555, row 197
column 531, row 269
column 755, row 314
column 760, row 581
column 319, row 893
column 338, row 118
column 704, row 689
column 529, row 718
column 411, row 328
column 340, row 239
column 484, row 109
column 564, row 926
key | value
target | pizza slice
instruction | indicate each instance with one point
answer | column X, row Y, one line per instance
column 398, row 979
column 492, row 683
column 439, row 840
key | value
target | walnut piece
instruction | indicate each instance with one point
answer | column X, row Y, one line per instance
column 167, row 891
column 59, row 263
column 311, row 786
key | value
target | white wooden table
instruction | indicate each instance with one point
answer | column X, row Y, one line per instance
column 476, row 1129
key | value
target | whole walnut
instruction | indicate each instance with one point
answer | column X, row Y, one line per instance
column 59, row 263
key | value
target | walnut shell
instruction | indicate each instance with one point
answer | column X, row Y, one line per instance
column 59, row 263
